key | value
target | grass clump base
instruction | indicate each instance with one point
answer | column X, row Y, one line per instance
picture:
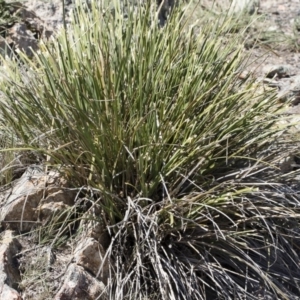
column 180, row 153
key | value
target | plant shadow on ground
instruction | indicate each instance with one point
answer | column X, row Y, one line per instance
column 180, row 155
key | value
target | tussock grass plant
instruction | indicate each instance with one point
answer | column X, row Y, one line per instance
column 179, row 152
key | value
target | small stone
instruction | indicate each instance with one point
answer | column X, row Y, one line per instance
column 279, row 71
column 286, row 164
column 244, row 75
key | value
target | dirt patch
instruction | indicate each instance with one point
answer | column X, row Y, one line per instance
column 274, row 38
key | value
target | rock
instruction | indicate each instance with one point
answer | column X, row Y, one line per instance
column 98, row 232
column 90, row 254
column 22, row 39
column 53, row 209
column 295, row 90
column 51, row 11
column 8, row 293
column 21, row 30
column 79, row 285
column 32, row 199
column 249, row 6
column 19, row 211
column 289, row 91
column 286, row 164
column 9, row 274
column 94, row 227
column 231, row 6
column 279, row 71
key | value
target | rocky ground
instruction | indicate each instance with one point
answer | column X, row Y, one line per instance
column 44, row 272
column 277, row 49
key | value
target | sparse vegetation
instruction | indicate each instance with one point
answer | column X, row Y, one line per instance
column 179, row 154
